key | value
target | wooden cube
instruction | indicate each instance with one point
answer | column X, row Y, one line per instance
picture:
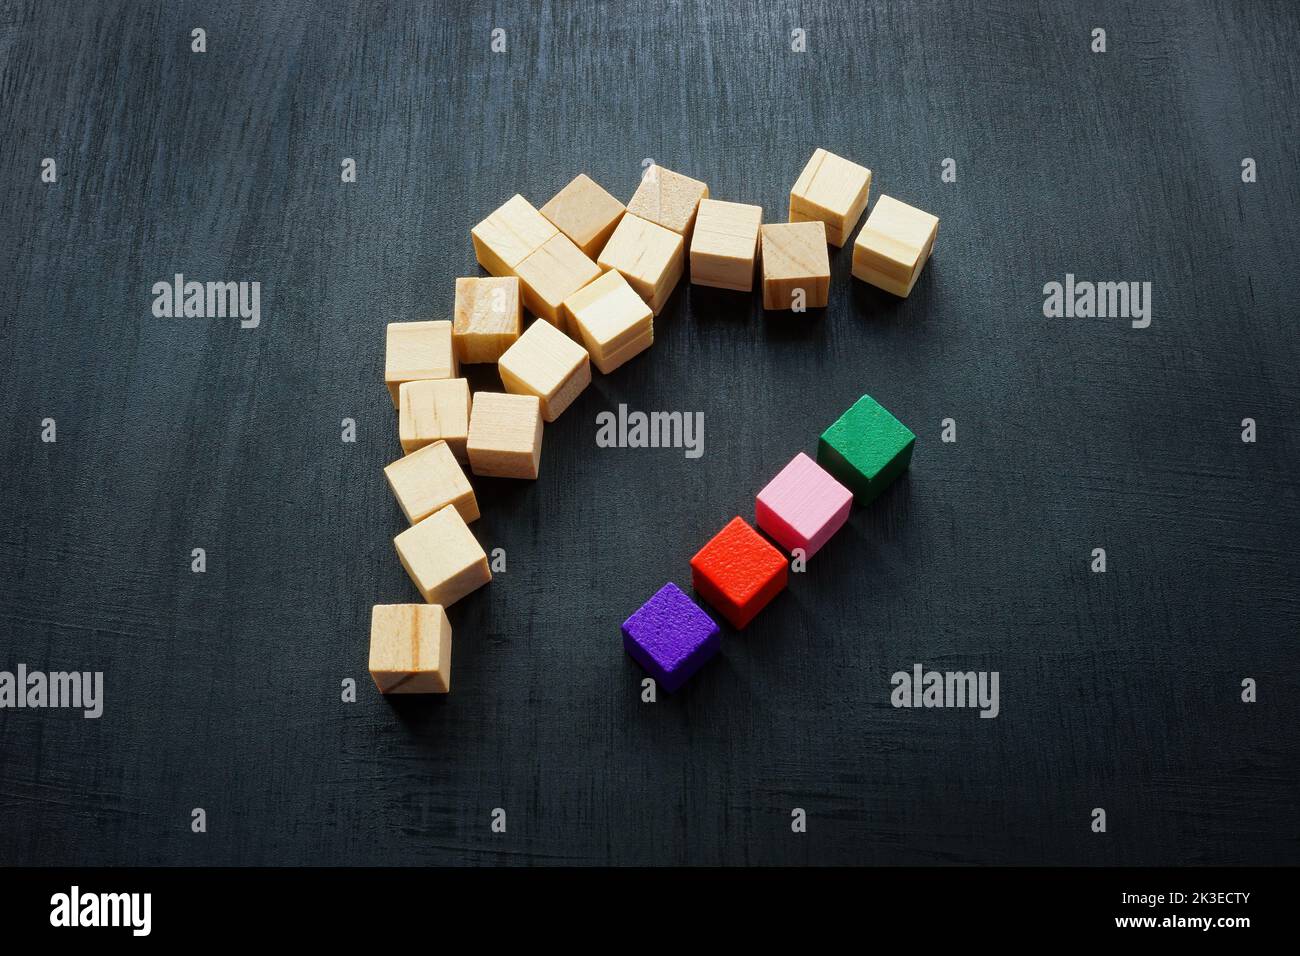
column 794, row 258
column 417, row 351
column 553, row 273
column 430, row 411
column 894, row 246
column 649, row 256
column 612, row 321
column 428, row 480
column 614, row 359
column 442, row 557
column 505, row 435
column 510, row 235
column 668, row 199
column 831, row 190
column 547, row 363
column 725, row 245
column 585, row 213
column 410, row 648
column 489, row 317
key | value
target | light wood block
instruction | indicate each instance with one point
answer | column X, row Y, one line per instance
column 489, row 317
column 508, row 236
column 649, row 256
column 410, row 649
column 724, row 245
column 831, row 190
column 429, row 479
column 505, row 435
column 609, row 317
column 614, row 359
column 795, row 257
column 418, row 351
column 585, row 213
column 668, row 199
column 442, row 557
column 547, row 363
column 436, row 410
column 894, row 246
column 553, row 273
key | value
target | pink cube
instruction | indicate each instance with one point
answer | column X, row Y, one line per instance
column 802, row 506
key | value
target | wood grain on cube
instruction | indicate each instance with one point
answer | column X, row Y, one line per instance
column 832, row 190
column 724, row 245
column 553, row 273
column 585, row 213
column 668, row 199
column 548, row 364
column 429, row 479
column 410, row 648
column 443, row 558
column 795, row 258
column 509, row 235
column 505, row 435
column 488, row 318
column 649, row 257
column 434, row 410
column 417, row 351
column 614, row 359
column 894, row 245
column 610, row 319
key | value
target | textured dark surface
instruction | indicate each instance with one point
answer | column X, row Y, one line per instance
column 1118, row 690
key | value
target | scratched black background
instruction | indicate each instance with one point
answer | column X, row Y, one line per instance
column 1118, row 690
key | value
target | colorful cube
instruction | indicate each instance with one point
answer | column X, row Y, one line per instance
column 738, row 572
column 802, row 506
column 866, row 449
column 670, row 637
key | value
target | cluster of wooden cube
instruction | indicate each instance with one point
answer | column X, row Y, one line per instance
column 739, row 571
column 730, row 241
column 594, row 276
column 595, row 273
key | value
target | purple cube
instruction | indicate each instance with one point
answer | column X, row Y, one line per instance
column 670, row 637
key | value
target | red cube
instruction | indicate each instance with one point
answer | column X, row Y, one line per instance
column 738, row 572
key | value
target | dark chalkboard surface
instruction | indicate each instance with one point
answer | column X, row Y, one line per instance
column 222, row 690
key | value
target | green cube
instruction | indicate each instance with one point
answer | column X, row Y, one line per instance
column 866, row 449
